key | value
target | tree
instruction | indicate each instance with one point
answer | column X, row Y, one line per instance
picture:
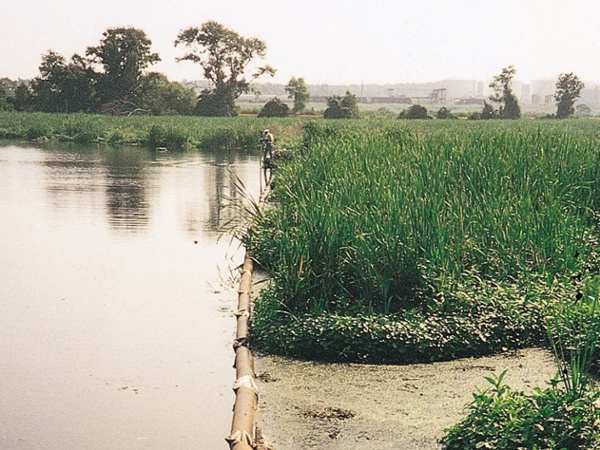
column 341, row 107
column 224, row 56
column 503, row 94
column 124, row 53
column 568, row 88
column 159, row 96
column 298, row 91
column 274, row 108
column 414, row 112
column 22, row 101
column 63, row 86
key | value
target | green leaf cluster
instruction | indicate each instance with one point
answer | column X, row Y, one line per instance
column 500, row 418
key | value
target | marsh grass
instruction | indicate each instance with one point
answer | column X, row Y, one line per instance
column 173, row 132
column 369, row 220
column 394, row 243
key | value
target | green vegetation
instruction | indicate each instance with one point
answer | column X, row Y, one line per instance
column 342, row 107
column 564, row 416
column 172, row 132
column 110, row 79
column 504, row 96
column 500, row 418
column 392, row 242
column 274, row 108
column 415, row 112
column 122, row 56
column 568, row 88
column 445, row 113
column 223, row 56
column 297, row 90
column 398, row 243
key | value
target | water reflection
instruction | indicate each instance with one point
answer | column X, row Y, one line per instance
column 126, row 189
column 126, row 183
column 113, row 312
column 225, row 185
column 87, row 177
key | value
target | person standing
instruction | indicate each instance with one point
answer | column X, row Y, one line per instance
column 268, row 151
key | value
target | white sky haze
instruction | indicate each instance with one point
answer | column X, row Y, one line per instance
column 330, row 41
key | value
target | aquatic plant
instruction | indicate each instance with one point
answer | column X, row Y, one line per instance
column 380, row 219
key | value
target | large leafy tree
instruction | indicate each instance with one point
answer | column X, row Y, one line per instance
column 568, row 89
column 123, row 55
column 224, row 56
column 504, row 95
column 63, row 86
column 159, row 96
column 298, row 91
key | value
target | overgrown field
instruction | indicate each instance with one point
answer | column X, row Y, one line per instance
column 175, row 133
column 396, row 242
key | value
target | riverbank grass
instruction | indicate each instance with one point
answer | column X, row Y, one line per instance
column 402, row 243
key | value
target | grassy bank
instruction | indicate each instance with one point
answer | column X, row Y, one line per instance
column 400, row 242
column 175, row 133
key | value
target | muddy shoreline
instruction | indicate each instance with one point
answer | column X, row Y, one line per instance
column 307, row 405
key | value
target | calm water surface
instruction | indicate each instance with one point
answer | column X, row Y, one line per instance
column 116, row 298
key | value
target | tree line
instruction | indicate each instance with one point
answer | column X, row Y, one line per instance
column 503, row 103
column 112, row 77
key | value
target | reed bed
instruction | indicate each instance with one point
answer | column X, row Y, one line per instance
column 176, row 133
column 407, row 222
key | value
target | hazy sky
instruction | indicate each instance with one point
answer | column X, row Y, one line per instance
column 330, row 41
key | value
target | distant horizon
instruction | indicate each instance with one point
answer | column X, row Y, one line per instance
column 338, row 42
column 353, row 83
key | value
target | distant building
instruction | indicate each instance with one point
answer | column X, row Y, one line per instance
column 525, row 96
column 457, row 92
column 401, row 99
column 539, row 90
column 469, row 101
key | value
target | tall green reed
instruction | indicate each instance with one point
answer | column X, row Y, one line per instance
column 373, row 216
column 574, row 335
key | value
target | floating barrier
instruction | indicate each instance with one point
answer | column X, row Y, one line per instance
column 244, row 435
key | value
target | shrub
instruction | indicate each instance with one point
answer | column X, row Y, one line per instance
column 414, row 112
column 216, row 104
column 444, row 113
column 274, row 108
column 341, row 107
column 583, row 110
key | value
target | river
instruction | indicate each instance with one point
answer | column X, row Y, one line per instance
column 116, row 297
